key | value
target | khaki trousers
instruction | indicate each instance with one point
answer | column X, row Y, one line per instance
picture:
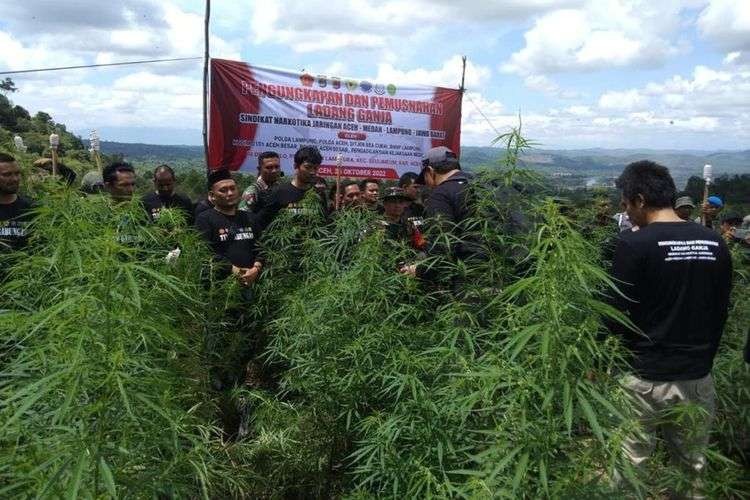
column 686, row 438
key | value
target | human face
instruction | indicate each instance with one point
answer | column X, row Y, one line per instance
column 225, row 195
column 711, row 211
column 412, row 191
column 351, row 195
column 307, row 172
column 393, row 208
column 685, row 212
column 123, row 187
column 10, row 178
column 269, row 170
column 636, row 210
column 164, row 183
column 371, row 193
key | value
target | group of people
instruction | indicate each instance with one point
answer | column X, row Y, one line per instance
column 675, row 274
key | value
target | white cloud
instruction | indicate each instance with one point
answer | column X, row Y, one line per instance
column 328, row 25
column 598, row 35
column 628, row 100
column 17, row 56
column 727, row 23
column 449, row 75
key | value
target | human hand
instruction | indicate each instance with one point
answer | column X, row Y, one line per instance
column 250, row 276
column 409, row 270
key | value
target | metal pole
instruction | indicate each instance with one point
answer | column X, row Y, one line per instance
column 206, row 59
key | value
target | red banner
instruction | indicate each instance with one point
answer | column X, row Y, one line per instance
column 380, row 129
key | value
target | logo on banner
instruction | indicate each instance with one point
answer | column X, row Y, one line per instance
column 307, row 80
column 391, row 89
column 351, row 85
column 365, row 86
column 322, row 80
column 335, row 82
column 379, row 89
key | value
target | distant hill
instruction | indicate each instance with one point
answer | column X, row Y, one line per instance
column 143, row 152
column 572, row 168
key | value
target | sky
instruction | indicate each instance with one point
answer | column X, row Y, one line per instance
column 663, row 74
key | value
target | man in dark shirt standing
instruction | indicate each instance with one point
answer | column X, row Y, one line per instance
column 369, row 190
column 14, row 209
column 677, row 277
column 230, row 232
column 287, row 196
column 164, row 195
column 447, row 205
column 408, row 182
column 269, row 171
column 119, row 181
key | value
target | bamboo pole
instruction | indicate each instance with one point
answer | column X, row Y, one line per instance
column 337, row 201
column 54, row 142
column 707, row 177
column 463, row 74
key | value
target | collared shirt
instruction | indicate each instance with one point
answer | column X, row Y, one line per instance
column 250, row 195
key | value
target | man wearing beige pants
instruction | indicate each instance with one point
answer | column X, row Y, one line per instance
column 676, row 276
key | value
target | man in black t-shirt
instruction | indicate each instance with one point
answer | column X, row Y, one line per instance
column 287, row 196
column 409, row 183
column 165, row 196
column 14, row 209
column 677, row 277
column 446, row 208
column 119, row 181
column 369, row 190
column 230, row 232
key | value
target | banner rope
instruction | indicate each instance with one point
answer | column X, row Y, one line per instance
column 483, row 115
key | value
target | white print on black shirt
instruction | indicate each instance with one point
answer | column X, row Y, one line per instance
column 236, row 234
column 680, row 250
column 13, row 229
column 299, row 209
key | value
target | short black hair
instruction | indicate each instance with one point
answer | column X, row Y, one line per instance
column 342, row 188
column 649, row 180
column 6, row 158
column 407, row 179
column 164, row 168
column 309, row 154
column 266, row 154
column 364, row 182
column 109, row 175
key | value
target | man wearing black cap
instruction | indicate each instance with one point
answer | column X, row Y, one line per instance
column 394, row 203
column 287, row 196
column 447, row 204
column 230, row 232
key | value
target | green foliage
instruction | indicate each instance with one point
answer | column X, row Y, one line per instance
column 733, row 189
column 479, row 389
column 495, row 379
column 104, row 377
